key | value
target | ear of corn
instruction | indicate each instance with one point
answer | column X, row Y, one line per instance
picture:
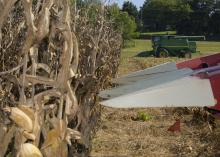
column 29, row 150
column 20, row 118
column 28, row 111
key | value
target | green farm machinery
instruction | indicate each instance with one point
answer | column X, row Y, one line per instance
column 173, row 45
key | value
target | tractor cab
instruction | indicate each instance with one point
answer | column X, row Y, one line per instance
column 173, row 45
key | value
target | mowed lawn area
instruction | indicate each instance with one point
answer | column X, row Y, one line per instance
column 131, row 62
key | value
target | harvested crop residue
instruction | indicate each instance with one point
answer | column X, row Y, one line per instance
column 123, row 134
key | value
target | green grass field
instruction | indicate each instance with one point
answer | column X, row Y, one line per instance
column 208, row 47
column 140, row 46
column 130, row 62
column 205, row 47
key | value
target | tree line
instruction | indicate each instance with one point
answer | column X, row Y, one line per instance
column 188, row 17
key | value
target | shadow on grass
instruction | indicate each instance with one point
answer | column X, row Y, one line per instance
column 145, row 54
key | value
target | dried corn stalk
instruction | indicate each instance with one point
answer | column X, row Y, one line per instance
column 53, row 62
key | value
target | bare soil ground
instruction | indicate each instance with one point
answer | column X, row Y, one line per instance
column 119, row 135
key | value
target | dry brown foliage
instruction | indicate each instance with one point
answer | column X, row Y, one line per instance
column 54, row 60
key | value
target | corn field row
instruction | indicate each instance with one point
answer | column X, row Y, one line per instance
column 54, row 59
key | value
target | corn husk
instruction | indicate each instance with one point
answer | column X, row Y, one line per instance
column 29, row 136
column 54, row 146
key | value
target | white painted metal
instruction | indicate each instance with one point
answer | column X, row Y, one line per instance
column 143, row 74
column 185, row 92
column 146, row 83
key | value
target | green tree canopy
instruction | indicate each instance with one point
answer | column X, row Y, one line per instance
column 158, row 14
column 123, row 20
column 202, row 5
column 203, row 19
column 128, row 25
column 188, row 17
column 130, row 8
